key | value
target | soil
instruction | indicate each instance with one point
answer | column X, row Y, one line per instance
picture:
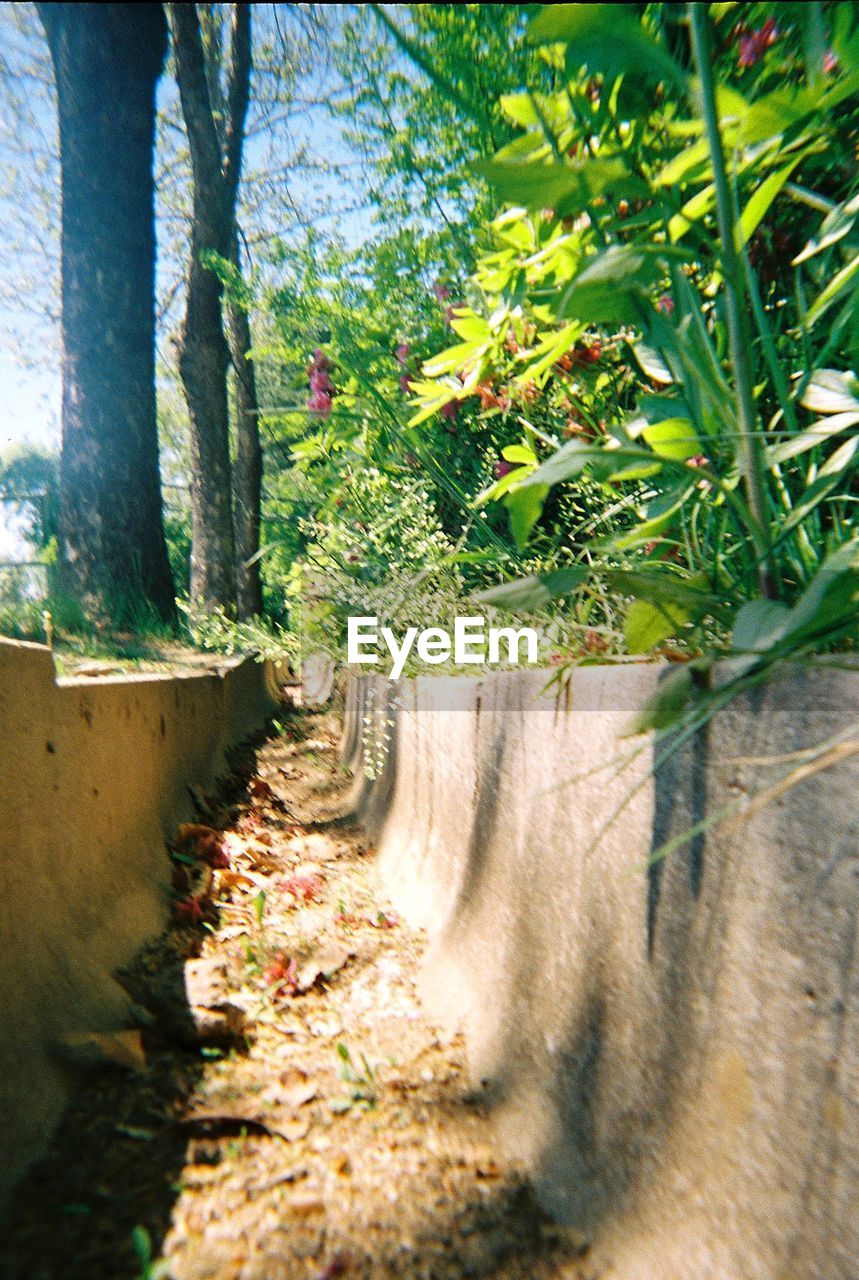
column 285, row 1111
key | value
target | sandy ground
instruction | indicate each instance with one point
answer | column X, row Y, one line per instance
column 285, row 1111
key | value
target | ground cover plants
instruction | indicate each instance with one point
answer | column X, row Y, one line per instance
column 674, row 289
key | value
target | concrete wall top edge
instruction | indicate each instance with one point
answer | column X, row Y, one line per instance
column 40, row 657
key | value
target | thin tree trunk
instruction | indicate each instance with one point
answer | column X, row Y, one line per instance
column 203, row 350
column 107, row 59
column 216, row 157
column 247, row 478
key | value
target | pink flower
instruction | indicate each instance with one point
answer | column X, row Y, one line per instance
column 441, row 291
column 405, row 379
column 753, row 45
column 321, row 386
column 665, row 304
column 502, row 468
column 320, row 402
column 830, row 63
column 320, row 381
column 403, row 352
column 306, row 888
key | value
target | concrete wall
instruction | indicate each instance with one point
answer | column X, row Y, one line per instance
column 93, row 778
column 671, row 1048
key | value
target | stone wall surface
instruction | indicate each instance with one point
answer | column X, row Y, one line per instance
column 94, row 777
column 670, row 1045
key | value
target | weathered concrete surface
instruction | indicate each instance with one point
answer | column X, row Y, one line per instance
column 673, row 1048
column 93, row 778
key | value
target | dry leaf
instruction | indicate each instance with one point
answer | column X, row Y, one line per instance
column 234, row 879
column 323, row 964
column 230, row 931
column 218, row 1026
column 293, row 1090
column 260, row 789
column 294, row 1174
column 304, row 1206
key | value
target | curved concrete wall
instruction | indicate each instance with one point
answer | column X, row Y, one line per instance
column 93, row 778
column 671, row 1048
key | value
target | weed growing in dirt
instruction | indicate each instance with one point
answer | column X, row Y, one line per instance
column 363, row 1093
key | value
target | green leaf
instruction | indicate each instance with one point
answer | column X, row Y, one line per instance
column 606, row 38
column 691, row 594
column 570, row 460
column 607, row 289
column 838, row 223
column 777, row 112
column 759, row 625
column 652, row 363
column 830, row 475
column 530, row 594
column 833, row 290
column 519, row 108
column 519, row 453
column 695, row 208
column 559, row 186
column 673, row 438
column 659, row 514
column 667, row 705
column 450, row 359
column 758, row 205
column 525, row 505
column 551, row 349
column 831, row 391
column 504, row 485
column 831, row 598
column 818, row 433
column 648, row 623
column 471, row 327
column 766, row 629
column 695, row 154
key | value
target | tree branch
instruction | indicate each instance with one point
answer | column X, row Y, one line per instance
column 194, row 91
column 238, row 95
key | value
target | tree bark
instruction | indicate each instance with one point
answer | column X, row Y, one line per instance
column 203, row 349
column 248, row 470
column 107, row 59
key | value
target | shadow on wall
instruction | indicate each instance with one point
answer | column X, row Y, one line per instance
column 113, row 1135
column 669, row 1046
column 94, row 778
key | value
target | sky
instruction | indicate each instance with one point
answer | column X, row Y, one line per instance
column 29, row 402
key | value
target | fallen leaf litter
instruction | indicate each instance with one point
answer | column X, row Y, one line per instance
column 285, row 1111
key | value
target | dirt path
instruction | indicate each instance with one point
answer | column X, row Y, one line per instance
column 302, row 1120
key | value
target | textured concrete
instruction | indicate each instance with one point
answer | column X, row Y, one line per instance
column 93, row 778
column 671, row 1048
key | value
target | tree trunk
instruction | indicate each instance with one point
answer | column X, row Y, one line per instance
column 248, row 471
column 203, row 362
column 107, row 59
column 203, row 351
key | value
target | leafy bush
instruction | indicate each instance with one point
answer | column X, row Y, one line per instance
column 674, row 291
